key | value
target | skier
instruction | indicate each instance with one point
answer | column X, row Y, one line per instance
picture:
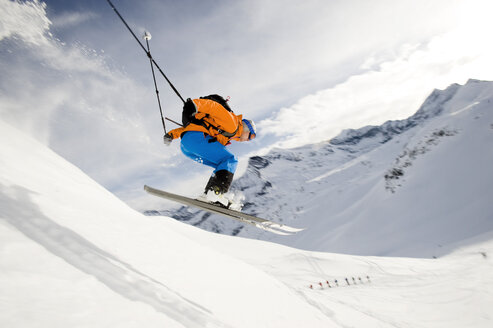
column 209, row 125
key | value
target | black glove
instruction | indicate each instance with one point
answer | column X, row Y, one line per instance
column 167, row 139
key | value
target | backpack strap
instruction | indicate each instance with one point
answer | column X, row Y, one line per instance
column 209, row 126
column 229, row 134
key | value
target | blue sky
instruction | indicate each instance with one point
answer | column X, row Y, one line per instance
column 72, row 76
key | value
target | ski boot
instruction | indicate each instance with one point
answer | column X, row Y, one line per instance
column 216, row 189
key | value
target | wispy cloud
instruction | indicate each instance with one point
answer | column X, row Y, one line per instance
column 71, row 19
column 267, row 54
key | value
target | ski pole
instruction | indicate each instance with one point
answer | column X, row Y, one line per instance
column 173, row 121
column 147, row 52
column 147, row 37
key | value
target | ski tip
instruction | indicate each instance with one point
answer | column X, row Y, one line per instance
column 280, row 229
column 292, row 229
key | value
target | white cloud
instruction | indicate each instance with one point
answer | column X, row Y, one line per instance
column 390, row 88
column 71, row 19
column 267, row 54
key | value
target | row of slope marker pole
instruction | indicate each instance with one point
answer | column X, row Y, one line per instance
column 336, row 282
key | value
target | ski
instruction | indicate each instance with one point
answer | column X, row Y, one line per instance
column 267, row 225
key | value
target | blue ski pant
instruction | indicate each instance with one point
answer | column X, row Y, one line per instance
column 197, row 146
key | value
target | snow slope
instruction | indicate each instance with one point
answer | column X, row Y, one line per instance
column 73, row 255
column 69, row 246
column 415, row 187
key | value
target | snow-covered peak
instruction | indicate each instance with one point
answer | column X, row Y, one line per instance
column 433, row 106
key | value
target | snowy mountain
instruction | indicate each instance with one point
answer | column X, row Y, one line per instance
column 73, row 255
column 413, row 187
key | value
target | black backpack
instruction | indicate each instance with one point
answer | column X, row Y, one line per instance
column 217, row 98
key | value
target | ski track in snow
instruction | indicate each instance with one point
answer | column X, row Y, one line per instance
column 346, row 166
column 464, row 109
column 17, row 209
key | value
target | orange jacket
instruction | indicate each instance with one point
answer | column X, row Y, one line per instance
column 214, row 115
